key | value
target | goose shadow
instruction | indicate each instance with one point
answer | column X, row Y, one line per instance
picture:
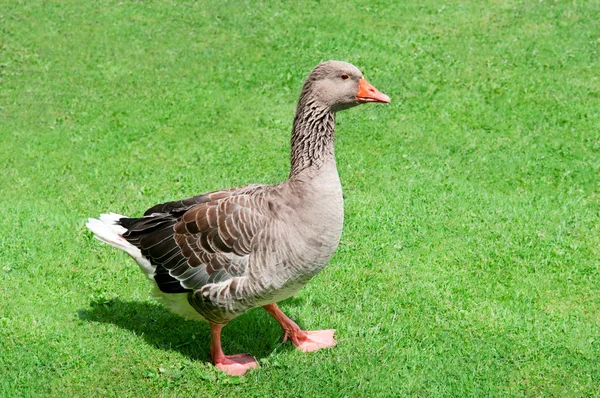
column 255, row 332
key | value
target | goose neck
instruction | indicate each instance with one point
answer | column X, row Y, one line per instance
column 312, row 138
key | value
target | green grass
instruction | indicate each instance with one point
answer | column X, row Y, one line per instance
column 469, row 263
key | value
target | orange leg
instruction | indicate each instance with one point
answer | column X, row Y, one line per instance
column 233, row 365
column 306, row 341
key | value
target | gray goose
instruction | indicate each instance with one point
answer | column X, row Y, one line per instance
column 216, row 255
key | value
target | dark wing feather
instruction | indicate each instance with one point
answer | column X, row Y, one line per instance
column 199, row 240
column 212, row 240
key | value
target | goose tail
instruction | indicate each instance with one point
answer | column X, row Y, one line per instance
column 108, row 230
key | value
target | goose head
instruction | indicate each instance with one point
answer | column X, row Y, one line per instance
column 339, row 85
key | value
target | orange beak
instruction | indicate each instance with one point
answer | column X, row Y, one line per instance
column 368, row 93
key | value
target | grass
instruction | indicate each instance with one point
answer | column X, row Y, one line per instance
column 469, row 263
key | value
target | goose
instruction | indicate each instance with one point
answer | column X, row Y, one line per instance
column 214, row 256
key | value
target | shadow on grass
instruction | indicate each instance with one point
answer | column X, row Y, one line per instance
column 255, row 332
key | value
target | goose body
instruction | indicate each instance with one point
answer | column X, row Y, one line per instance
column 214, row 256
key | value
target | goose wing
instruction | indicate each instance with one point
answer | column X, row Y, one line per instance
column 201, row 240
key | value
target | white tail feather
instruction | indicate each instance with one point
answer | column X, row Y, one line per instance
column 108, row 231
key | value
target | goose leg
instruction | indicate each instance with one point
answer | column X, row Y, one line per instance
column 306, row 341
column 233, row 365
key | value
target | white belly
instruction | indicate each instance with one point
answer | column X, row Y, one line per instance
column 177, row 303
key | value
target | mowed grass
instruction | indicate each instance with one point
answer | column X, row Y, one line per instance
column 469, row 263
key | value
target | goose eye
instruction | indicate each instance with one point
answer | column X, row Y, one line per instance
column 345, row 76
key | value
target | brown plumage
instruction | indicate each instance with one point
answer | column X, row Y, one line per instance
column 216, row 255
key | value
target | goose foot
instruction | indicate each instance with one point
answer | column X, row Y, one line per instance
column 236, row 365
column 306, row 341
column 309, row 341
column 233, row 365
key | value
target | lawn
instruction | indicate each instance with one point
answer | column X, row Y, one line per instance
column 470, row 259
